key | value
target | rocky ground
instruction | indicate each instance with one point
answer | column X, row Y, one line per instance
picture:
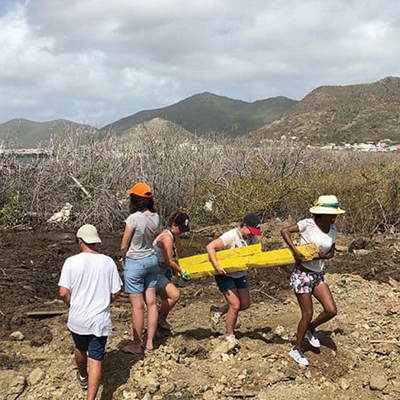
column 359, row 357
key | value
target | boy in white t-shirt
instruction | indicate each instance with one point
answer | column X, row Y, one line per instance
column 89, row 283
column 233, row 286
column 308, row 278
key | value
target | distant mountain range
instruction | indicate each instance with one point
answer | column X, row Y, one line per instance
column 22, row 133
column 208, row 112
column 334, row 114
column 328, row 114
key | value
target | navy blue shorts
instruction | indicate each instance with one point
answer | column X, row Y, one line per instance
column 226, row 283
column 94, row 345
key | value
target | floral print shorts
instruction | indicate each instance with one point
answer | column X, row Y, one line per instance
column 305, row 282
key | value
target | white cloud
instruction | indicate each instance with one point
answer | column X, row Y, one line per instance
column 97, row 61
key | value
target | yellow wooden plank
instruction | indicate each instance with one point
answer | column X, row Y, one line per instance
column 245, row 258
column 187, row 262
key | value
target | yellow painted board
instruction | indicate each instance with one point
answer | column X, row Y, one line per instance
column 187, row 262
column 245, row 258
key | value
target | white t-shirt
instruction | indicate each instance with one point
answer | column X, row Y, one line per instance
column 232, row 240
column 311, row 233
column 91, row 279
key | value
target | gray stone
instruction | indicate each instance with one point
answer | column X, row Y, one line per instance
column 35, row 376
column 17, row 335
column 378, row 382
column 12, row 384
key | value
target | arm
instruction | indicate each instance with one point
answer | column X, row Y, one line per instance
column 212, row 248
column 167, row 244
column 114, row 296
column 126, row 239
column 329, row 254
column 65, row 295
column 286, row 233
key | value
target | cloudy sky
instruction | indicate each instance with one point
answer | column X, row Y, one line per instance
column 96, row 61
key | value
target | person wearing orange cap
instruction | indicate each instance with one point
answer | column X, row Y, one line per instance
column 308, row 278
column 140, row 265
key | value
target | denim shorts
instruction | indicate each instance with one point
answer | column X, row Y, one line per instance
column 140, row 274
column 226, row 283
column 94, row 345
column 164, row 275
column 305, row 282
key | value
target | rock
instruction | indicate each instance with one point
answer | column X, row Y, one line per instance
column 147, row 396
column 129, row 395
column 344, row 383
column 280, row 330
column 209, row 395
column 358, row 244
column 157, row 397
column 35, row 376
column 167, row 387
column 223, row 348
column 377, row 382
column 17, row 335
column 149, row 383
column 12, row 384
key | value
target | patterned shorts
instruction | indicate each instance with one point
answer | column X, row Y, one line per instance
column 305, row 282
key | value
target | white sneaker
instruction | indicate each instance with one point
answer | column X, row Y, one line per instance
column 215, row 318
column 232, row 342
column 298, row 356
column 313, row 340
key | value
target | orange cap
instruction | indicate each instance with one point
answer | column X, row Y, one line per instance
column 140, row 189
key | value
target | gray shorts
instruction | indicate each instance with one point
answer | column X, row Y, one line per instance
column 305, row 282
column 164, row 276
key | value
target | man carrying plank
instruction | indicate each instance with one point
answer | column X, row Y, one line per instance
column 233, row 286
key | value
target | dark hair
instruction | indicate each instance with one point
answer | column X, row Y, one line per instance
column 172, row 218
column 317, row 216
column 138, row 203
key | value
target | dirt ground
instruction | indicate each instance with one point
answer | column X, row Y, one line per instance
column 359, row 356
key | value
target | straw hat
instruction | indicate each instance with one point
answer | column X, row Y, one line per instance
column 327, row 205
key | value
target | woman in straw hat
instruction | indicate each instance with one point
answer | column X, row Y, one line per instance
column 308, row 277
column 140, row 265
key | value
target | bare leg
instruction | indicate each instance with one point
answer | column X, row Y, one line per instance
column 323, row 294
column 169, row 297
column 94, row 378
column 152, row 316
column 244, row 296
column 306, row 306
column 233, row 299
column 81, row 362
column 137, row 304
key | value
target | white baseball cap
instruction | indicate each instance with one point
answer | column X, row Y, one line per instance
column 88, row 233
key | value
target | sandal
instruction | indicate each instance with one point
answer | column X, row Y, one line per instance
column 128, row 350
column 83, row 382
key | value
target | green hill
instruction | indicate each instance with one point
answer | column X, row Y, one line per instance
column 22, row 133
column 207, row 112
column 334, row 114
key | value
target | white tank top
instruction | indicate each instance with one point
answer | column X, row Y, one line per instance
column 159, row 249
